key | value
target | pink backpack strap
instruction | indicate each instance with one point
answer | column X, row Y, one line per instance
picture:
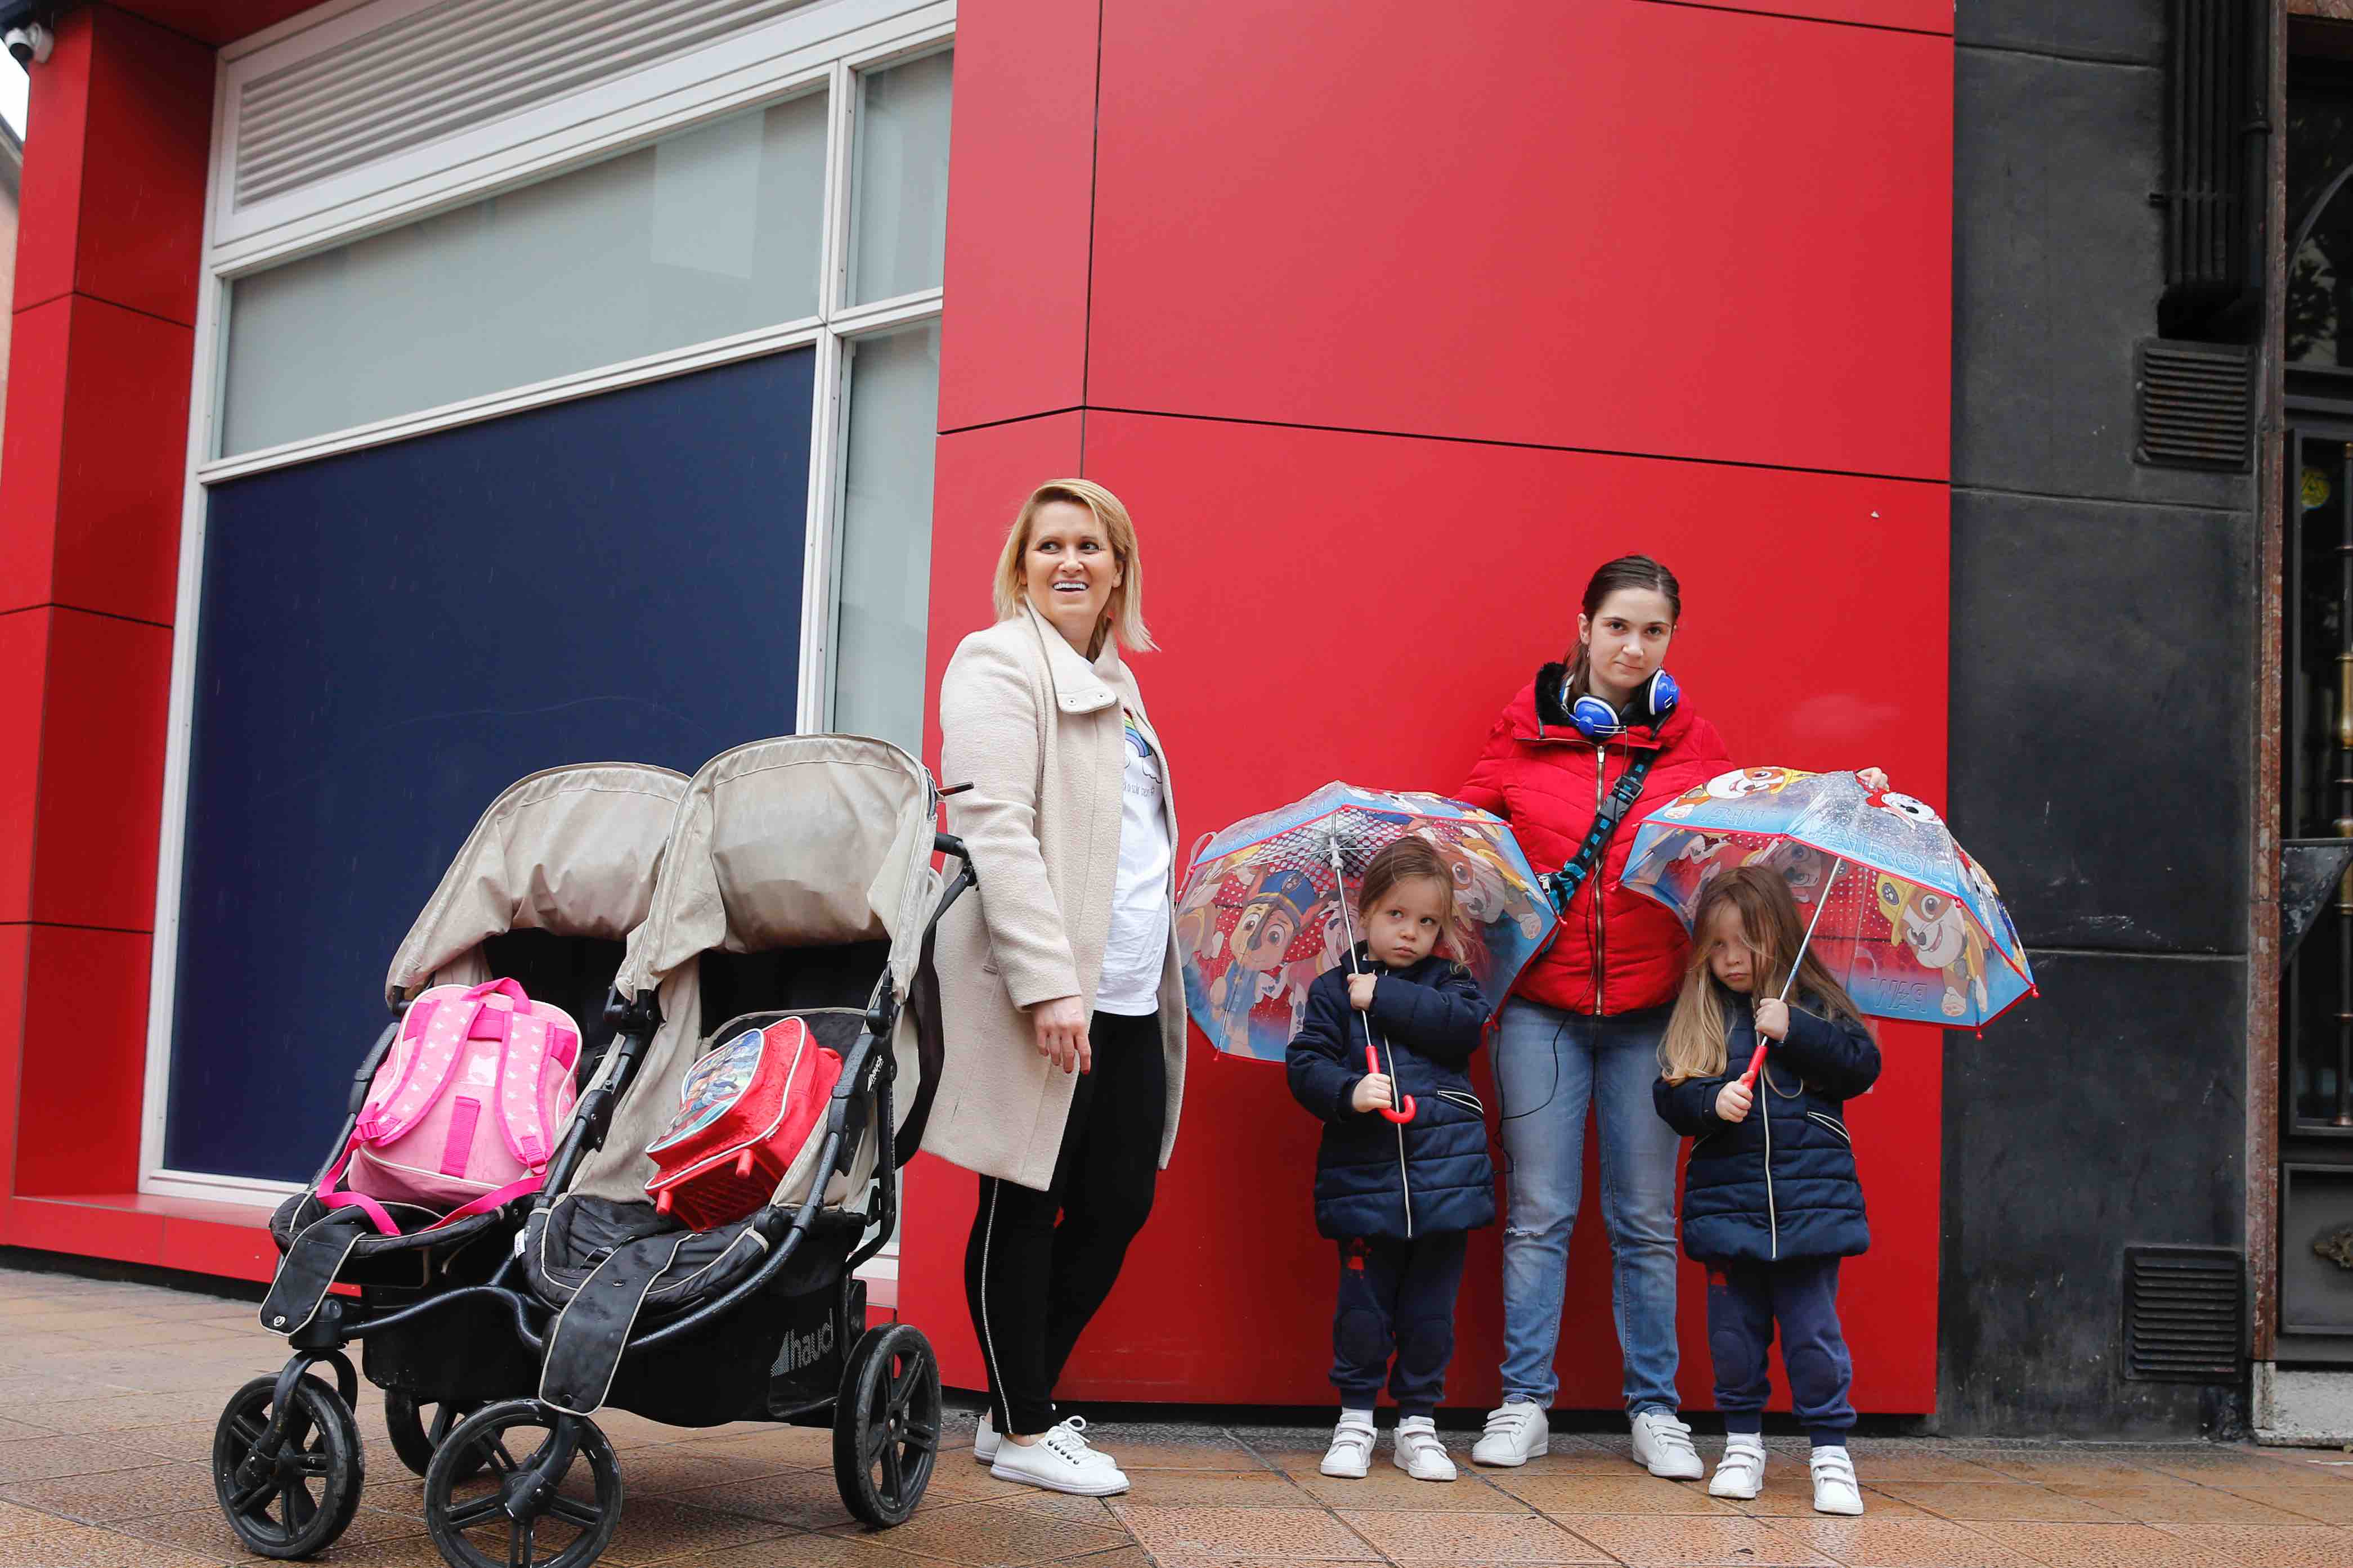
column 535, row 1045
column 399, row 1099
column 378, row 1215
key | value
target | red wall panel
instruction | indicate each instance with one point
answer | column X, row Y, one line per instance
column 141, row 235
column 90, row 514
column 24, row 675
column 1614, row 225
column 1020, row 202
column 112, row 183
column 101, row 789
column 1359, row 607
column 84, row 1070
column 49, row 225
column 30, row 452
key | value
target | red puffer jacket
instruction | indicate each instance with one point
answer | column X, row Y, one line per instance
column 1616, row 952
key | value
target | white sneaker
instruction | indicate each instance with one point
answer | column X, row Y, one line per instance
column 1742, row 1473
column 1835, row 1490
column 1352, row 1447
column 986, row 1438
column 1059, row 1461
column 1663, row 1445
column 1515, row 1433
column 1419, row 1453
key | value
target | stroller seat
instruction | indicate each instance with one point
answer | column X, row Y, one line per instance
column 557, row 873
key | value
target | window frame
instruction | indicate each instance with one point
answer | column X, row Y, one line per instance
column 832, row 43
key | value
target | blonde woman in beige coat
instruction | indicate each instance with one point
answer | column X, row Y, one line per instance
column 1060, row 989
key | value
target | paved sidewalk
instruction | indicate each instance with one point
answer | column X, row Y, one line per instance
column 109, row 1393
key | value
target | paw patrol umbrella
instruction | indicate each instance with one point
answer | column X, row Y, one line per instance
column 1897, row 911
column 1261, row 915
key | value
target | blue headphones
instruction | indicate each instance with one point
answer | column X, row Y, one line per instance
column 1596, row 719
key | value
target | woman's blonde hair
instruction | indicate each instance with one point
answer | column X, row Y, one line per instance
column 1123, row 613
column 1694, row 1046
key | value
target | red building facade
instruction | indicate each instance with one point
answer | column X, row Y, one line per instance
column 1388, row 321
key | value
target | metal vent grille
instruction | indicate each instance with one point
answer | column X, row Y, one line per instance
column 2210, row 80
column 453, row 67
column 2185, row 1313
column 2193, row 404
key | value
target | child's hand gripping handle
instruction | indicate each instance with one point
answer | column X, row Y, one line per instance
column 1403, row 1112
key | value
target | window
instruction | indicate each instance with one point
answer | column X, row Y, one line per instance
column 765, row 213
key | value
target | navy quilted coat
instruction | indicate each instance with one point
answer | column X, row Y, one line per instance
column 1780, row 1183
column 1373, row 1177
column 1616, row 952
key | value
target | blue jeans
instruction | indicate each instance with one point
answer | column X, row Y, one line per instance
column 1549, row 1066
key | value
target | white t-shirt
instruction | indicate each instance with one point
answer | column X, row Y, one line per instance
column 1137, row 947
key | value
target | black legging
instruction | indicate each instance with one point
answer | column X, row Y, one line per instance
column 1032, row 1284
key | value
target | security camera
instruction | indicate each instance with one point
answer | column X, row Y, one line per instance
column 30, row 43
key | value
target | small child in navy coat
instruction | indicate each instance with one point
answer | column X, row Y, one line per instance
column 1771, row 1201
column 1400, row 1198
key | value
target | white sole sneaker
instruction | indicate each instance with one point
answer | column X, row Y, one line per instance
column 1035, row 1465
column 1741, row 1473
column 1663, row 1446
column 1426, row 1460
column 1514, row 1444
column 1348, row 1461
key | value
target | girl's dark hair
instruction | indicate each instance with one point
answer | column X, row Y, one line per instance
column 1403, row 859
column 1626, row 572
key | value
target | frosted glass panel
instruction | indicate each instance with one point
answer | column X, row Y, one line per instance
column 885, row 567
column 703, row 234
column 899, row 217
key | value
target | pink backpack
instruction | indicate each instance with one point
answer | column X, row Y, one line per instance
column 461, row 1117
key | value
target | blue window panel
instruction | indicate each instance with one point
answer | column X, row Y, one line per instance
column 391, row 638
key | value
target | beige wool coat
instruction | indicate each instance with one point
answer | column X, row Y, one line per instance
column 1038, row 732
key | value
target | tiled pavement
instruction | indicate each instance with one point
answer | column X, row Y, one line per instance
column 109, row 1392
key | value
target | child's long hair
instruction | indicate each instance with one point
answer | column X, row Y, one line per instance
column 1694, row 1046
column 1403, row 859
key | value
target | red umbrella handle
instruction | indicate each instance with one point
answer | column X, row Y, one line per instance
column 1755, row 1064
column 1373, row 1064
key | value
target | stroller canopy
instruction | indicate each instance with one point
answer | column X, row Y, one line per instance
column 572, row 851
column 802, row 841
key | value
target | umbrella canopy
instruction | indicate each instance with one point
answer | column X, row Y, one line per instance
column 1260, row 916
column 1899, row 912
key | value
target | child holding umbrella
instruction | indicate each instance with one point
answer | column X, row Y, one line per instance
column 1771, row 1200
column 1402, row 1175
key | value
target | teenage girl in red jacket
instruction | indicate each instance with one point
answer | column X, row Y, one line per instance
column 1583, row 1026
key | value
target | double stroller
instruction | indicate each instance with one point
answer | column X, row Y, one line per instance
column 794, row 880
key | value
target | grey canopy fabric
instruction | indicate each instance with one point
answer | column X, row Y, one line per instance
column 802, row 841
column 574, row 851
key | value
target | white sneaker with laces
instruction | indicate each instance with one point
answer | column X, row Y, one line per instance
column 1419, row 1453
column 1351, row 1452
column 1835, row 1490
column 1517, row 1432
column 1741, row 1473
column 986, row 1438
column 1059, row 1461
column 1662, row 1444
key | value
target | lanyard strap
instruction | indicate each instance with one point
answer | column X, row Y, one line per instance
column 1562, row 885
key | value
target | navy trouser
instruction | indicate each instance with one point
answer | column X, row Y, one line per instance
column 1397, row 1300
column 1745, row 1300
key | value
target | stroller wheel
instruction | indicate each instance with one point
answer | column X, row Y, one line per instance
column 886, row 1425
column 292, row 1497
column 535, row 1503
column 415, row 1440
